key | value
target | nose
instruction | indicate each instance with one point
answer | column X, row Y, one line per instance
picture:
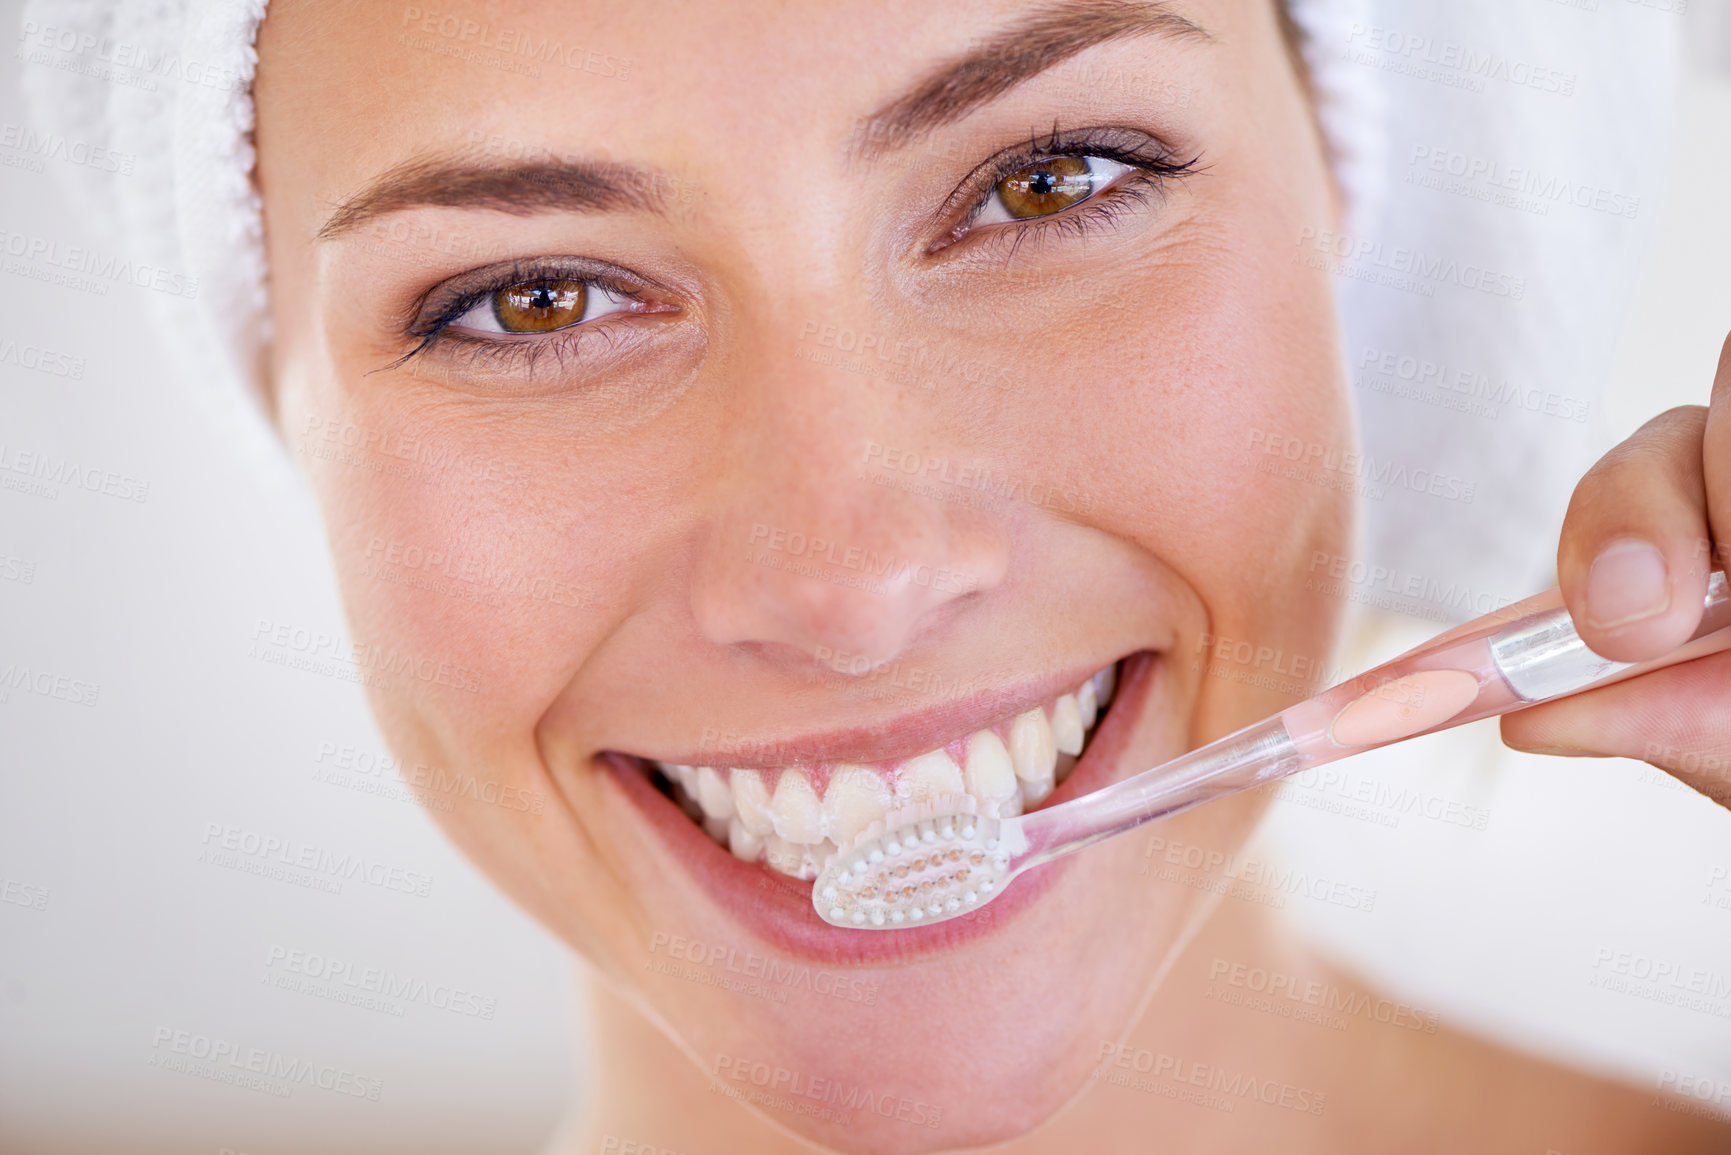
column 813, row 549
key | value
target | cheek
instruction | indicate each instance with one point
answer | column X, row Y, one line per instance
column 467, row 545
column 1184, row 439
column 1187, row 431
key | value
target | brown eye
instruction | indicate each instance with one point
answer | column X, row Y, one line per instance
column 1047, row 187
column 540, row 306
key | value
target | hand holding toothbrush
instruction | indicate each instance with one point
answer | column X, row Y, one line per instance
column 1644, row 528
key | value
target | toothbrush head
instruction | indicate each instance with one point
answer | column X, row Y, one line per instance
column 921, row 864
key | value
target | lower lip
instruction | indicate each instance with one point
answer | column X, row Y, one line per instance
column 778, row 908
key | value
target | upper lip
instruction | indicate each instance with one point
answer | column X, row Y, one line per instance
column 902, row 736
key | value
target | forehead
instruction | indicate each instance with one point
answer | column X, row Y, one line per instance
column 382, row 80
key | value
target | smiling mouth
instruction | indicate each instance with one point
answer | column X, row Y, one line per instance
column 791, row 819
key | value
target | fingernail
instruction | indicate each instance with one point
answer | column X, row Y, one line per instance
column 1627, row 583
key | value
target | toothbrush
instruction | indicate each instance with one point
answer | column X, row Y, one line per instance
column 942, row 859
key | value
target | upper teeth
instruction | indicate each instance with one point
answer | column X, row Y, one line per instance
column 793, row 828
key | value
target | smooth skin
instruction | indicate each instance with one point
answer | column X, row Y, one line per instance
column 619, row 483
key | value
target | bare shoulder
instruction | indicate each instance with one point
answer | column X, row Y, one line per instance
column 1474, row 1095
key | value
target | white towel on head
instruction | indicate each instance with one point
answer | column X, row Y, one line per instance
column 172, row 79
column 1465, row 472
column 1525, row 145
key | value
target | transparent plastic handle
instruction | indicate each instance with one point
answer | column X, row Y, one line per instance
column 1521, row 655
column 1543, row 657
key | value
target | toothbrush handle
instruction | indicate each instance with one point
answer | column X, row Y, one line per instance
column 1541, row 656
column 1262, row 752
column 1507, row 660
column 1515, row 657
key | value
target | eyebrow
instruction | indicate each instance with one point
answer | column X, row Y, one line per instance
column 1012, row 57
column 523, row 189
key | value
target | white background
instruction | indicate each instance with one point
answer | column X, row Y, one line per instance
column 106, row 808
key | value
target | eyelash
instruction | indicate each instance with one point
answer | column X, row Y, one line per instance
column 1153, row 171
column 499, row 354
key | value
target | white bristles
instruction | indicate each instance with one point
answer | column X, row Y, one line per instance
column 921, row 864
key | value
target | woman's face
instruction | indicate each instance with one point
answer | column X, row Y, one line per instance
column 812, row 390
